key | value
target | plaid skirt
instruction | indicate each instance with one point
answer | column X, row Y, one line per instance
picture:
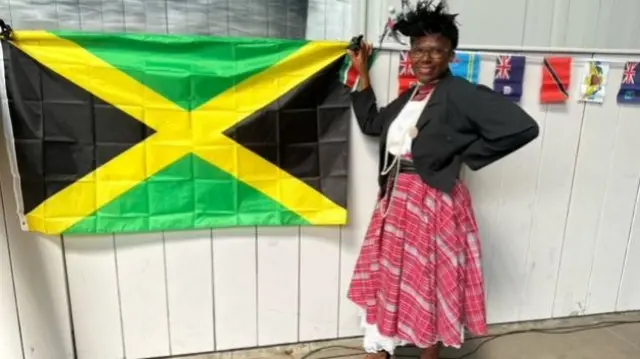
column 418, row 277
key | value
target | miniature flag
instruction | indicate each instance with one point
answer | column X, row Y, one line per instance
column 630, row 88
column 593, row 81
column 466, row 65
column 509, row 76
column 348, row 73
column 556, row 77
column 406, row 76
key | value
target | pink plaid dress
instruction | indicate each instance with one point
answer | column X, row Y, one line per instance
column 418, row 278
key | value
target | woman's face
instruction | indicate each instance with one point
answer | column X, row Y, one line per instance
column 430, row 56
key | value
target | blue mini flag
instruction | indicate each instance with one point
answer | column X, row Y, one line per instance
column 630, row 88
column 509, row 76
column 466, row 65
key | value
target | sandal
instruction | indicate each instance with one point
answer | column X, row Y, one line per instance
column 379, row 355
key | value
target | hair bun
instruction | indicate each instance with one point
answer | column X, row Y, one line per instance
column 426, row 18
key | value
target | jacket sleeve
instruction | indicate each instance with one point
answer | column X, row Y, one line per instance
column 365, row 107
column 502, row 126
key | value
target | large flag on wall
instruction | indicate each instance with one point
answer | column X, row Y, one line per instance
column 129, row 133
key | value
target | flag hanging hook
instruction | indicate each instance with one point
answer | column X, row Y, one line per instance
column 6, row 32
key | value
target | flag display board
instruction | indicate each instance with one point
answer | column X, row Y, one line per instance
column 138, row 132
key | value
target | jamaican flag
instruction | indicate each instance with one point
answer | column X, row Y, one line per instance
column 140, row 132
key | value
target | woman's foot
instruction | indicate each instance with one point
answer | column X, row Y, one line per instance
column 379, row 355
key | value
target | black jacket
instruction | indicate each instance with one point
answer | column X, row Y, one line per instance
column 462, row 123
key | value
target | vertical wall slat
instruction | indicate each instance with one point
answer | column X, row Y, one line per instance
column 140, row 261
column 278, row 277
column 559, row 10
column 628, row 295
column 135, row 17
column 235, row 288
column 607, row 16
column 197, row 17
column 68, row 14
column 189, row 264
column 10, row 341
column 335, row 30
column 41, row 294
column 560, row 137
column 113, row 18
column 585, row 210
column 538, row 22
column 508, row 240
column 319, row 283
column 5, row 10
column 154, row 16
column 316, row 20
column 90, row 15
column 581, row 23
column 94, row 296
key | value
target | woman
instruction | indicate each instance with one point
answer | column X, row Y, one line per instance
column 418, row 278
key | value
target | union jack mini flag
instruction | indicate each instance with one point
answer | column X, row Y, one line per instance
column 406, row 76
column 630, row 88
column 509, row 76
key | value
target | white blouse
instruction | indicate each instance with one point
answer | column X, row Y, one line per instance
column 399, row 135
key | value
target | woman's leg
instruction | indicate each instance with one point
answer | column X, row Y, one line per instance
column 430, row 353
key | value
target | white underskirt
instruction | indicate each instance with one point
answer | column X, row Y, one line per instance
column 375, row 342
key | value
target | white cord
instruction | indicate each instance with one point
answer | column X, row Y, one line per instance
column 581, row 59
column 386, row 169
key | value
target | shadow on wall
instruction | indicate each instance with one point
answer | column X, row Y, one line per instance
column 251, row 18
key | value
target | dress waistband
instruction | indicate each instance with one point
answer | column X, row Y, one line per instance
column 407, row 166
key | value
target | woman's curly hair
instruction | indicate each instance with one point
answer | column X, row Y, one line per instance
column 427, row 18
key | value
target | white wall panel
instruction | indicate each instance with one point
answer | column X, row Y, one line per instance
column 235, row 288
column 10, row 341
column 189, row 278
column 95, row 296
column 559, row 219
column 319, row 283
column 143, row 294
column 559, row 138
column 278, row 278
column 629, row 291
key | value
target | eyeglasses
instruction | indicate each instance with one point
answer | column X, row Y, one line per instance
column 434, row 53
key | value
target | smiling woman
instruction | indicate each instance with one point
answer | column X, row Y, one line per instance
column 418, row 278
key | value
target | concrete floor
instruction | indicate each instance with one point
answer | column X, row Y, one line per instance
column 621, row 342
column 612, row 342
